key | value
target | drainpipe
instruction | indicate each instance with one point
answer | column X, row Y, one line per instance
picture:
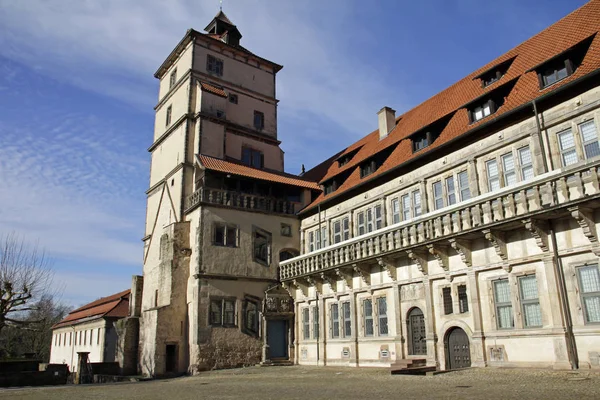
column 539, row 131
column 558, row 267
column 564, row 300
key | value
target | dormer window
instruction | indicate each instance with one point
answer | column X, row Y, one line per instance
column 368, row 168
column 330, row 186
column 422, row 140
column 483, row 110
column 345, row 158
column 555, row 72
column 372, row 164
column 495, row 73
column 562, row 65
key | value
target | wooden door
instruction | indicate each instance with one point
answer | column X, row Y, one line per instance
column 417, row 344
column 277, row 333
column 458, row 349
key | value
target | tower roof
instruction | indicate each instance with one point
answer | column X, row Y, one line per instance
column 221, row 17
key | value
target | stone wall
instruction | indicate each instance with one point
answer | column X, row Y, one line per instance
column 229, row 348
column 127, row 348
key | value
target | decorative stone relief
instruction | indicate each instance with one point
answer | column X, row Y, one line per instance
column 463, row 248
column 539, row 231
column 363, row 272
column 413, row 291
column 345, row 276
column 387, row 266
column 498, row 241
column 440, row 253
column 420, row 259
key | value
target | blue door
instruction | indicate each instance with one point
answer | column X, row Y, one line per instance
column 277, row 338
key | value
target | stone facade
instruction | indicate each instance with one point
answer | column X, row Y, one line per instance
column 214, row 237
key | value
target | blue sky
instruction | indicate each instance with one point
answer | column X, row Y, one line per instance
column 77, row 95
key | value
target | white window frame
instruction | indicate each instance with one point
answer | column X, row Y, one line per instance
column 584, row 295
column 530, row 301
column 462, row 189
column 505, row 304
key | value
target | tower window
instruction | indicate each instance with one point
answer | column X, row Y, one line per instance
column 168, row 116
column 173, row 78
column 214, row 65
column 259, row 120
column 252, row 157
column 233, row 98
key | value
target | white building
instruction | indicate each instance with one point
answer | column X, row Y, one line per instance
column 464, row 231
column 90, row 328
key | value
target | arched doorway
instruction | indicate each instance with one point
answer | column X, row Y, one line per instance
column 415, row 324
column 458, row 351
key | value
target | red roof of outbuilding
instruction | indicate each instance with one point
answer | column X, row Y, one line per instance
column 576, row 27
column 115, row 306
column 207, row 87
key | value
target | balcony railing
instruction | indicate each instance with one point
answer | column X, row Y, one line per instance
column 560, row 188
column 238, row 200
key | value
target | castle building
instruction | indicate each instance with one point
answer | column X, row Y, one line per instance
column 460, row 233
column 221, row 213
column 464, row 232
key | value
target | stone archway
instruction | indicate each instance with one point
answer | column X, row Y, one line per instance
column 458, row 349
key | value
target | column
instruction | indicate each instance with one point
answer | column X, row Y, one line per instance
column 430, row 336
column 399, row 338
column 473, row 177
column 478, row 353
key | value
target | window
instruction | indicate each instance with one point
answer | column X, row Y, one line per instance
column 315, row 314
column 555, row 72
column 168, row 116
column 322, row 238
column 395, row 211
column 220, row 114
column 496, row 73
column 438, row 201
column 347, row 319
column 368, row 316
column 566, row 141
column 337, row 231
column 252, row 157
column 526, row 163
column 305, row 323
column 286, row 230
column 406, row 207
column 330, row 186
column 311, row 241
column 482, row 110
column 378, row 217
column 335, row 321
column 360, row 223
column 447, row 296
column 369, row 213
column 259, row 120
column 214, row 65
column 589, row 283
column 492, row 173
column 173, row 78
column 504, row 312
column 225, row 235
column 530, row 302
column 416, row 195
column 222, row 312
column 262, row 246
column 250, row 321
column 422, row 140
column 463, row 185
column 233, row 98
column 97, row 340
column 491, row 78
column 450, row 191
column 463, row 301
column 367, row 168
column 508, row 167
column 589, row 138
column 382, row 316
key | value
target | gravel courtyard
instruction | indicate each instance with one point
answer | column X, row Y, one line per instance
column 337, row 383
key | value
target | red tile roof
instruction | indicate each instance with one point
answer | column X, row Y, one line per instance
column 115, row 306
column 229, row 167
column 207, row 87
column 581, row 24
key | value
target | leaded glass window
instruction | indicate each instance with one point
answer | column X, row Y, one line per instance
column 504, row 312
column 530, row 302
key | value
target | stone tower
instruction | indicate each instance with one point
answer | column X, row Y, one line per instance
column 220, row 209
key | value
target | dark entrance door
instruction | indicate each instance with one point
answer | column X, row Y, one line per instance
column 416, row 331
column 458, row 350
column 277, row 338
column 171, row 358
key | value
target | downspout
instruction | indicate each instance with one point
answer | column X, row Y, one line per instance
column 558, row 267
column 564, row 300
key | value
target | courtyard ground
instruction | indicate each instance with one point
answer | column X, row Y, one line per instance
column 336, row 383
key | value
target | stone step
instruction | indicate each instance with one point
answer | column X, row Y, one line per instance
column 409, row 362
column 413, row 371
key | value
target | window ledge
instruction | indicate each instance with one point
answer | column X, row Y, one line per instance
column 558, row 81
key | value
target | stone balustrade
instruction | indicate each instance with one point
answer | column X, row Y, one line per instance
column 239, row 200
column 556, row 189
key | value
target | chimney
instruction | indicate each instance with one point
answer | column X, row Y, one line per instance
column 387, row 121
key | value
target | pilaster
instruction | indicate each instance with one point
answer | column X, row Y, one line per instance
column 478, row 353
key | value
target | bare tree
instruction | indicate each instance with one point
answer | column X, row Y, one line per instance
column 25, row 277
